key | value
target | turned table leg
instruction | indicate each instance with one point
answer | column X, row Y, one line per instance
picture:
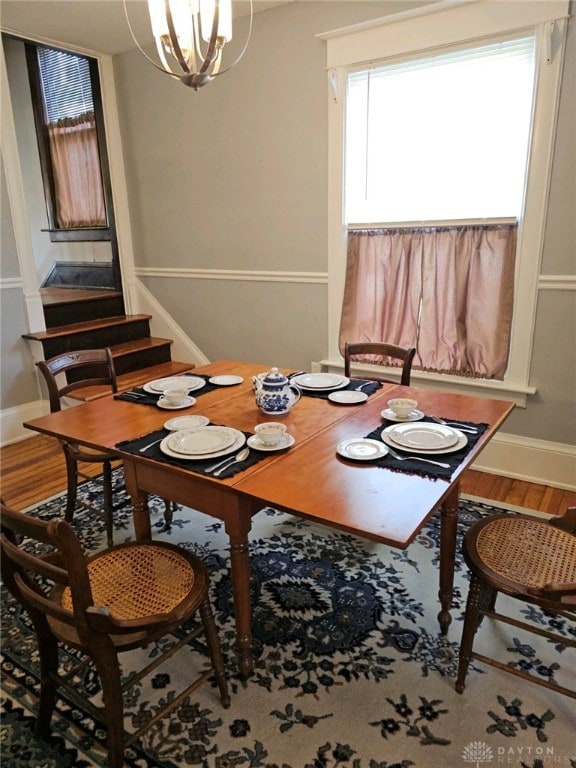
column 448, row 527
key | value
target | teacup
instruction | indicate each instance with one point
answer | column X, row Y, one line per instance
column 402, row 407
column 270, row 433
column 175, row 396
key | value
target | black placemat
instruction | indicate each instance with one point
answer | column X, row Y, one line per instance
column 139, row 394
column 414, row 467
column 198, row 466
column 369, row 389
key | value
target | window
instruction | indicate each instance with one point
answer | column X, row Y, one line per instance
column 431, row 36
column 442, row 137
column 69, row 128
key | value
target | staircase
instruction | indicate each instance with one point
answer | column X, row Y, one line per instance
column 86, row 319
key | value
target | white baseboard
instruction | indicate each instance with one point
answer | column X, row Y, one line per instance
column 521, row 458
column 535, row 461
column 11, row 419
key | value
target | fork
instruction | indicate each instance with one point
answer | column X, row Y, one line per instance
column 416, row 458
column 461, row 427
column 360, row 386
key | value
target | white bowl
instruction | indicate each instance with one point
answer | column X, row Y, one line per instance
column 402, row 406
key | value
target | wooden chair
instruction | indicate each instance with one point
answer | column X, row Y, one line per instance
column 119, row 599
column 64, row 374
column 406, row 356
column 526, row 558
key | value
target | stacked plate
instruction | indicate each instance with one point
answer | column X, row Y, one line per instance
column 424, row 438
column 320, row 382
column 204, row 442
column 157, row 386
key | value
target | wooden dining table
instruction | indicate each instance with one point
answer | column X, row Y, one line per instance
column 310, row 479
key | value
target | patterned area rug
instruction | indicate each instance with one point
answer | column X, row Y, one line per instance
column 352, row 672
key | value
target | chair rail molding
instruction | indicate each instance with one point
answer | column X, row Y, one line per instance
column 557, row 283
column 263, row 276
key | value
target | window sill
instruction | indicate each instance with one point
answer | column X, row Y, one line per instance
column 516, row 393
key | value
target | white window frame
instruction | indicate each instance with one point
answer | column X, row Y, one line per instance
column 453, row 22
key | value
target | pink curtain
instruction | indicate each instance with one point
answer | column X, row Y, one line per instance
column 448, row 291
column 77, row 179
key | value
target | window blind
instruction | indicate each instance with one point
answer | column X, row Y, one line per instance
column 441, row 137
column 66, row 84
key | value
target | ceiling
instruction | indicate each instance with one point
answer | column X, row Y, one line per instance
column 99, row 26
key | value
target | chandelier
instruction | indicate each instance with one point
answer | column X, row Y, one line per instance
column 190, row 36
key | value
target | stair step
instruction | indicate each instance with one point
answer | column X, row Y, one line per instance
column 98, row 324
column 65, row 306
column 102, row 332
column 140, row 353
column 134, row 379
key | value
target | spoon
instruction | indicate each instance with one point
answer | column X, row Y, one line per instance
column 221, row 465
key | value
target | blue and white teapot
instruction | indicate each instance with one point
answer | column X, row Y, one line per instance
column 274, row 393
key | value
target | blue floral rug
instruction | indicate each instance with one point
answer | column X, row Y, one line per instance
column 352, row 671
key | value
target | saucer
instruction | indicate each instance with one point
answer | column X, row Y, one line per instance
column 362, row 449
column 226, row 381
column 255, row 442
column 348, row 397
column 186, row 422
column 389, row 415
column 186, row 403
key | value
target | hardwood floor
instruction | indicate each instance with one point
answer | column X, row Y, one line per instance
column 34, row 469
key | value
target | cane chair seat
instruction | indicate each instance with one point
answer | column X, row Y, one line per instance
column 527, row 558
column 138, row 580
column 527, row 553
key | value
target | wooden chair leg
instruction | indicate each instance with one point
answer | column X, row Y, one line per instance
column 169, row 509
column 480, row 597
column 110, row 677
column 72, row 483
column 108, row 503
column 48, row 653
column 215, row 651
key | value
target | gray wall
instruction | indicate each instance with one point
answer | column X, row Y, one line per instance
column 19, row 384
column 235, row 177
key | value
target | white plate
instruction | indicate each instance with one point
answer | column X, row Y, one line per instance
column 231, row 449
column 430, row 437
column 202, row 440
column 320, row 381
column 348, row 397
column 462, row 441
column 255, row 442
column 362, row 449
column 226, row 381
column 389, row 415
column 163, row 403
column 186, row 422
column 173, row 382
